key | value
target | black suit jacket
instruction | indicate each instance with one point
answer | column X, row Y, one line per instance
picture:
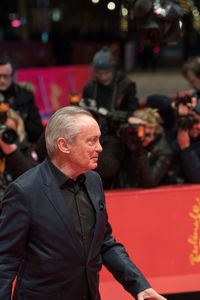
column 39, row 243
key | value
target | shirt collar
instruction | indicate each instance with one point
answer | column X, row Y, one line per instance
column 61, row 178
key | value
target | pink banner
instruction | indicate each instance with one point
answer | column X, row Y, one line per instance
column 54, row 84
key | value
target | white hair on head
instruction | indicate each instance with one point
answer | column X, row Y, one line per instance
column 63, row 124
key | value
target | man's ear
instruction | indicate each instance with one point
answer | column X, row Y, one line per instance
column 63, row 145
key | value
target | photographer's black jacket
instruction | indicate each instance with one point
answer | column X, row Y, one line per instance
column 150, row 165
column 21, row 160
column 190, row 162
column 22, row 100
column 119, row 95
column 16, row 163
column 185, row 166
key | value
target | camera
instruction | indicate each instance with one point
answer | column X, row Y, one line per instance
column 114, row 122
column 134, row 129
column 8, row 135
column 189, row 100
column 185, row 122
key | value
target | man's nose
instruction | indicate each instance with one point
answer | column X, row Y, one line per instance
column 99, row 148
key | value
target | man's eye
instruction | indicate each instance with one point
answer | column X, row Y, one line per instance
column 91, row 142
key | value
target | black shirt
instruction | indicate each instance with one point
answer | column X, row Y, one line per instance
column 79, row 204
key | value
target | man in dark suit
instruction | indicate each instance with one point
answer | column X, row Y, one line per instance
column 54, row 232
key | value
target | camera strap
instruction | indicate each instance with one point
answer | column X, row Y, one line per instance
column 2, row 166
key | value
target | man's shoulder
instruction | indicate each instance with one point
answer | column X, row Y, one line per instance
column 22, row 96
column 93, row 178
column 92, row 174
column 30, row 177
column 123, row 80
column 24, row 86
column 90, row 83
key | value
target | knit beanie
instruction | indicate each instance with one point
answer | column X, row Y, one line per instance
column 103, row 60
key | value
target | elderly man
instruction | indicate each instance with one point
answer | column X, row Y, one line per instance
column 54, row 233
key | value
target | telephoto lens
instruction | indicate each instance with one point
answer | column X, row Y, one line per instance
column 8, row 135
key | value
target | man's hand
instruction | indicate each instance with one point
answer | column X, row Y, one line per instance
column 150, row 294
column 183, row 139
column 134, row 120
column 7, row 148
column 184, row 110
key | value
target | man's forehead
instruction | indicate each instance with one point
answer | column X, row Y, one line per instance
column 7, row 66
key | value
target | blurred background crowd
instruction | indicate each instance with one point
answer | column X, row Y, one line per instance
column 143, row 59
column 138, row 65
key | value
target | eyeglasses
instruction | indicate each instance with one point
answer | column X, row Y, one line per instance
column 6, row 76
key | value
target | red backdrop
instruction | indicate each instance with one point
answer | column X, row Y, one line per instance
column 161, row 231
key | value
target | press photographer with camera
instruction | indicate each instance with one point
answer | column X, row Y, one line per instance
column 17, row 155
column 166, row 105
column 185, row 142
column 149, row 152
column 20, row 97
column 181, row 123
column 110, row 89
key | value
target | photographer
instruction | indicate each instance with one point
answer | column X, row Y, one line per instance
column 16, row 153
column 166, row 105
column 185, row 142
column 113, row 91
column 110, row 88
column 20, row 98
column 149, row 152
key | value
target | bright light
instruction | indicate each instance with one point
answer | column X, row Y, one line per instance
column 124, row 12
column 195, row 12
column 13, row 16
column 95, row 1
column 23, row 21
column 111, row 6
column 56, row 14
column 15, row 23
column 45, row 37
column 156, row 49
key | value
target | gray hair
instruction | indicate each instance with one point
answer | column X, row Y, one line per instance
column 63, row 124
column 192, row 64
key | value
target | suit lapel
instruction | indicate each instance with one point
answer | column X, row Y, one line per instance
column 54, row 195
column 95, row 199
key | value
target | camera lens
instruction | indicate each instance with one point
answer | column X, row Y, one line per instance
column 9, row 136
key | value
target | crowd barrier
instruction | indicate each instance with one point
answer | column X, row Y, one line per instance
column 160, row 229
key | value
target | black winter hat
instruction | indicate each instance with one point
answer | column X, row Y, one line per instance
column 103, row 60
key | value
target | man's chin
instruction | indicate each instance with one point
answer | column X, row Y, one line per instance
column 94, row 166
